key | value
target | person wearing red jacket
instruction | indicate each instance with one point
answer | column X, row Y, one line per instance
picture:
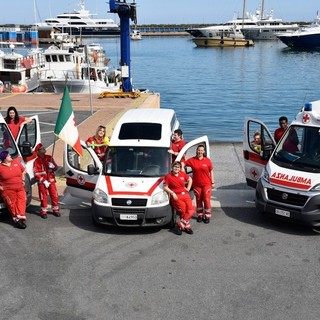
column 12, row 177
column 177, row 143
column 203, row 182
column 177, row 184
column 44, row 167
column 99, row 142
column 283, row 122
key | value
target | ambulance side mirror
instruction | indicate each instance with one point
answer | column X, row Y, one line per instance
column 26, row 149
column 92, row 170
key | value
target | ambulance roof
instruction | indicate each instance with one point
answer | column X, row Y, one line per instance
column 145, row 127
column 309, row 114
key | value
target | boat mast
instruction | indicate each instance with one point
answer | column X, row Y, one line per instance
column 243, row 12
column 262, row 10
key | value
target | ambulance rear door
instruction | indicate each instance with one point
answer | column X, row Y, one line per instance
column 79, row 183
column 28, row 138
column 255, row 160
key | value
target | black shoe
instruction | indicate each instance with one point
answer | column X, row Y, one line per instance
column 56, row 214
column 188, row 231
column 206, row 220
column 178, row 230
column 199, row 219
column 44, row 216
column 20, row 224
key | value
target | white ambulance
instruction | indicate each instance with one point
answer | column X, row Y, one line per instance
column 287, row 175
column 127, row 188
column 23, row 147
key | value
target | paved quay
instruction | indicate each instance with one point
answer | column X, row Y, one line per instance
column 105, row 111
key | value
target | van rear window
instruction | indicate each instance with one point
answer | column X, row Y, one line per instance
column 146, row 131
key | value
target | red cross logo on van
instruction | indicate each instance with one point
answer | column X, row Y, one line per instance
column 306, row 118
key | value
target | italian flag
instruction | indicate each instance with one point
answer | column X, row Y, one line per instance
column 66, row 127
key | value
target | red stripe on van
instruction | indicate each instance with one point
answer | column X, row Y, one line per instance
column 290, row 184
column 134, row 193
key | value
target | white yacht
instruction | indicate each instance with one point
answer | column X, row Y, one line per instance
column 258, row 26
column 82, row 23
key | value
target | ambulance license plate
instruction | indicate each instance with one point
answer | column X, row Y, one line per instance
column 128, row 217
column 283, row 213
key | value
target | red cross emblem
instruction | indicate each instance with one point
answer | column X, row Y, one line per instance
column 306, row 118
column 254, row 173
column 81, row 180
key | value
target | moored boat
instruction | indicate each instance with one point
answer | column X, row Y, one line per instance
column 135, row 34
column 82, row 23
column 20, row 73
column 84, row 69
column 222, row 42
column 306, row 37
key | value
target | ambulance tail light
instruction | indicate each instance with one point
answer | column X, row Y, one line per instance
column 266, row 175
column 100, row 196
column 159, row 198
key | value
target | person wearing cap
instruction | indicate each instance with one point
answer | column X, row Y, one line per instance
column 12, row 177
column 99, row 142
column 44, row 168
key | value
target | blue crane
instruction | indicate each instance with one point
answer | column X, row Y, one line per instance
column 125, row 11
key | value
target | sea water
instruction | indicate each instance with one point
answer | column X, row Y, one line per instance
column 212, row 90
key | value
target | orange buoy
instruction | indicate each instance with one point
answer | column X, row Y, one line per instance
column 23, row 88
column 15, row 89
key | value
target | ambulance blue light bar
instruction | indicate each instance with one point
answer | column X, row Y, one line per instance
column 308, row 106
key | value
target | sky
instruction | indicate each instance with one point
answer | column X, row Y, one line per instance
column 161, row 11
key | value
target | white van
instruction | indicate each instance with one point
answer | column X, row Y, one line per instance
column 127, row 188
column 287, row 175
column 23, row 147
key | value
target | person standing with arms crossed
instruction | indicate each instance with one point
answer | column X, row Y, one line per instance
column 44, row 167
column 12, row 177
column 203, row 183
column 175, row 185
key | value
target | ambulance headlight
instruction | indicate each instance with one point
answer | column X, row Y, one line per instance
column 159, row 198
column 100, row 196
column 265, row 175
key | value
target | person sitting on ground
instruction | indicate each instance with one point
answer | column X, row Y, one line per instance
column 99, row 142
column 283, row 122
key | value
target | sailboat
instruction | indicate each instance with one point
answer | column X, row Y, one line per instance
column 225, row 38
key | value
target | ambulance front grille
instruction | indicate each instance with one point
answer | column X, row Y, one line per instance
column 127, row 202
column 287, row 198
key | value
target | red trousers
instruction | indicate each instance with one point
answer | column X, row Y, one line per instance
column 203, row 200
column 184, row 206
column 43, row 195
column 16, row 202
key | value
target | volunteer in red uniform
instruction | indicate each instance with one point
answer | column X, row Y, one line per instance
column 99, row 142
column 175, row 184
column 12, row 176
column 203, row 182
column 177, row 144
column 14, row 121
column 283, row 122
column 44, row 167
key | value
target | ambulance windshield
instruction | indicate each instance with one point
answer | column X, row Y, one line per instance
column 299, row 149
column 7, row 142
column 137, row 161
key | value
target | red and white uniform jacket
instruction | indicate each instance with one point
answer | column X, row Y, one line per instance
column 42, row 171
